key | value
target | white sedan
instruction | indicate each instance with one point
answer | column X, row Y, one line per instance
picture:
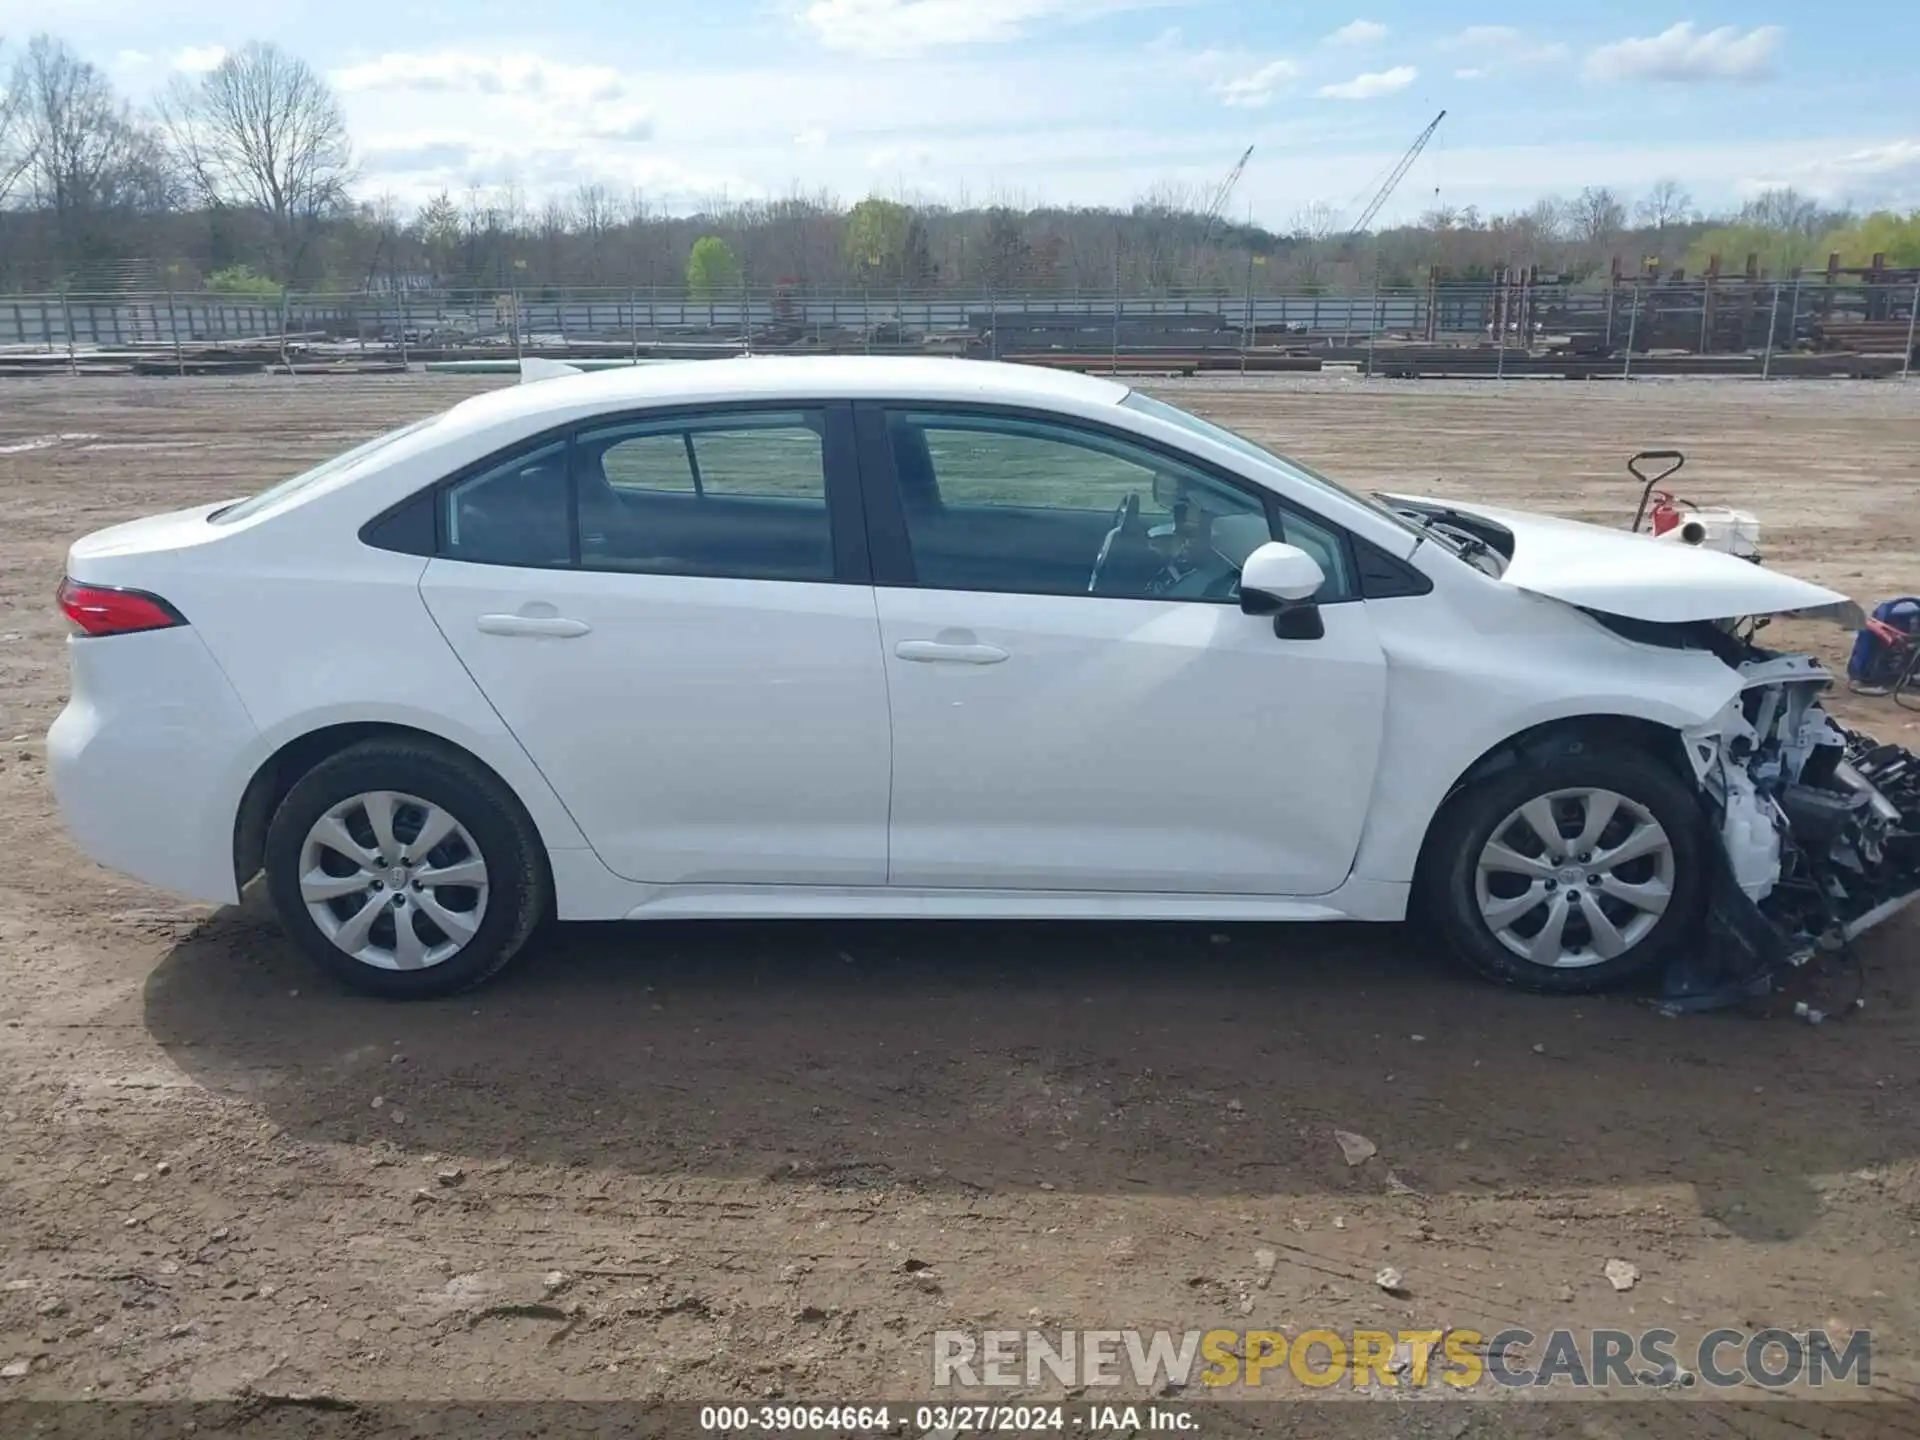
column 932, row 638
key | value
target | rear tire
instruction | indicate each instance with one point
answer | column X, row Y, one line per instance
column 1496, row 887
column 468, row 900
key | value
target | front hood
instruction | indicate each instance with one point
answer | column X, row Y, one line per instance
column 1620, row 573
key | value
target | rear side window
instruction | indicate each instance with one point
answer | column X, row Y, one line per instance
column 741, row 496
column 512, row 513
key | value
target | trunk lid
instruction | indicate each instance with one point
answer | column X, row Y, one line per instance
column 105, row 556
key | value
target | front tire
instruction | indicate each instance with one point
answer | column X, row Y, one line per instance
column 1573, row 870
column 405, row 870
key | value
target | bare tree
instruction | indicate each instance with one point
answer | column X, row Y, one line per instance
column 1785, row 208
column 14, row 154
column 262, row 130
column 1316, row 220
column 83, row 152
column 436, row 230
column 1546, row 218
column 1667, row 204
column 550, row 230
column 593, row 217
column 382, row 217
column 1006, row 259
column 1596, row 214
column 1171, row 197
column 1528, row 236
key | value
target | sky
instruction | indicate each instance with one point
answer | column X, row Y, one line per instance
column 1075, row 101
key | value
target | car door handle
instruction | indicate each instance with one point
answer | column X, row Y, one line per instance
column 939, row 652
column 557, row 626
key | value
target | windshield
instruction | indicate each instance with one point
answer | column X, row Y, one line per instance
column 1220, row 435
column 273, row 495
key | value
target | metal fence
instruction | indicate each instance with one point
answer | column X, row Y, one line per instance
column 610, row 314
column 1739, row 318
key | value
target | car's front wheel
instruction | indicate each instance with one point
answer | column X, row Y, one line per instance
column 405, row 869
column 1574, row 869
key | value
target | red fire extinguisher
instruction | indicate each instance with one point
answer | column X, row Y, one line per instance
column 1665, row 514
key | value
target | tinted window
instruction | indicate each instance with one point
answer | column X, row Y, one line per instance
column 513, row 513
column 1005, row 503
column 742, row 496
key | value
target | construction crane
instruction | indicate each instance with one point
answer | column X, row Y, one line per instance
column 1385, row 192
column 1221, row 195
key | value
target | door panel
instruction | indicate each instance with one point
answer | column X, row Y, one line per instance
column 670, row 612
column 1127, row 744
column 1147, row 737
column 698, row 729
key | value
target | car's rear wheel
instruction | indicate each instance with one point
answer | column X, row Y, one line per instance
column 1575, row 869
column 405, row 869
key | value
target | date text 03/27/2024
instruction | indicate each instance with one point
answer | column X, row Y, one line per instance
column 946, row 1420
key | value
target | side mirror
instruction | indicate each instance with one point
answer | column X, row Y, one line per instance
column 1278, row 577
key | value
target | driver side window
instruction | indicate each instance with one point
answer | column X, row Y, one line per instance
column 1003, row 503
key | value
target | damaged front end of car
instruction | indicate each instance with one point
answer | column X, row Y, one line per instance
column 1819, row 829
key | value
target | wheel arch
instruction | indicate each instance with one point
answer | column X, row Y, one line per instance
column 1634, row 732
column 281, row 771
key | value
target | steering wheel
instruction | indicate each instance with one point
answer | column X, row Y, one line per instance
column 1126, row 521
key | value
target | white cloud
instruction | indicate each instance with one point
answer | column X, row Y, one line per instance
column 631, row 127
column 1683, row 54
column 529, row 120
column 198, row 59
column 430, row 156
column 900, row 157
column 1870, row 177
column 1255, row 89
column 1503, row 48
column 459, row 71
column 430, row 118
column 1896, row 155
column 1371, row 86
column 1091, row 124
column 1357, row 32
column 1470, row 73
column 894, row 29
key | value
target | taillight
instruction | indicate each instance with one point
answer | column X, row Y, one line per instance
column 107, row 610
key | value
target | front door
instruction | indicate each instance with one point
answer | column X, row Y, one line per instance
column 1078, row 701
column 685, row 662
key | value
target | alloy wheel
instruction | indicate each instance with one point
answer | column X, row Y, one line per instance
column 1575, row 877
column 395, row 881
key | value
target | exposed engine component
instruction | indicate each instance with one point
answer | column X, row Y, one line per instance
column 1855, row 856
column 1820, row 832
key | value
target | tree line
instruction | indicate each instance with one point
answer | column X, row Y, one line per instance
column 244, row 179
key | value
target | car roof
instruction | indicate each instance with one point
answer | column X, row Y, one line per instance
column 797, row 377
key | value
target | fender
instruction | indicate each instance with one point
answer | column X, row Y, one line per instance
column 1456, row 693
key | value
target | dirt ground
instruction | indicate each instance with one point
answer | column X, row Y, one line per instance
column 745, row 1161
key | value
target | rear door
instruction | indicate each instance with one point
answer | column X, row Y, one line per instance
column 673, row 614
column 1079, row 709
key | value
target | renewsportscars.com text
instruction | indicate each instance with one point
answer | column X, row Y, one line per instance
column 1461, row 1359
